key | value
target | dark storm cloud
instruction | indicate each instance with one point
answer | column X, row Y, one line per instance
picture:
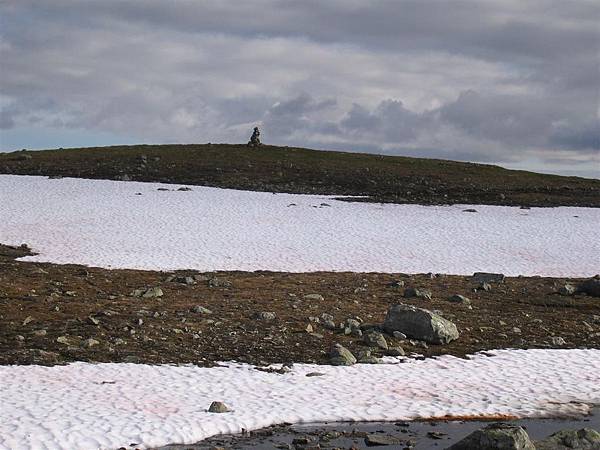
column 496, row 81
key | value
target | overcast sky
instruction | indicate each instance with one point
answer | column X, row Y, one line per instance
column 509, row 82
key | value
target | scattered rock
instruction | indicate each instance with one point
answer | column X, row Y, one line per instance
column 152, row 292
column 27, row 320
column 396, row 284
column 341, row 356
column 485, row 277
column 201, row 310
column 558, row 341
column 395, row 351
column 417, row 292
column 419, row 323
column 264, row 315
column 460, row 299
column 365, row 357
column 315, row 374
column 63, row 340
column 184, row 189
column 314, row 297
column 494, row 437
column 375, row 339
column 516, row 330
column 219, row 282
column 567, row 289
column 373, row 440
column 218, row 407
column 89, row 343
column 470, row 210
column 583, row 439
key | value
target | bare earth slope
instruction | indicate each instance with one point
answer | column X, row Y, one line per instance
column 295, row 170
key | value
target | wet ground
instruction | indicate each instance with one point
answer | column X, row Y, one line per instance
column 413, row 435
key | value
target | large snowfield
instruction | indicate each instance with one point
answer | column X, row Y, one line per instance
column 86, row 406
column 109, row 224
column 106, row 224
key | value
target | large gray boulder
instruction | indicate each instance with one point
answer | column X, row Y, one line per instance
column 420, row 324
column 583, row 439
column 341, row 356
column 497, row 436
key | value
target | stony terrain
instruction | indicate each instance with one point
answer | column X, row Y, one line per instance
column 296, row 170
column 52, row 314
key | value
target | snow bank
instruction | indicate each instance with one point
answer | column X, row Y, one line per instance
column 104, row 223
column 87, row 406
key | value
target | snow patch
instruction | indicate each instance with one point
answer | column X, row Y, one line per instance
column 92, row 406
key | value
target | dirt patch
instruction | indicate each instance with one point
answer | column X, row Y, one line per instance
column 51, row 314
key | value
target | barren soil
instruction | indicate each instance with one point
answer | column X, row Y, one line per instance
column 40, row 303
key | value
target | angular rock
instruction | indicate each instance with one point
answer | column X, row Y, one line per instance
column 495, row 437
column 218, row 407
column 558, row 341
column 314, row 297
column 89, row 343
column 341, row 356
column 365, row 357
column 485, row 277
column 583, row 439
column 375, row 339
column 395, row 351
column 419, row 323
column 417, row 292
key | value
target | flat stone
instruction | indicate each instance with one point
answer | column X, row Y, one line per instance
column 373, row 440
column 460, row 299
column 314, row 297
column 201, row 310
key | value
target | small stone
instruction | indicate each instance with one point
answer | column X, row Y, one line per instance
column 516, row 330
column 27, row 320
column 396, row 284
column 558, row 341
column 89, row 343
column 375, row 339
column 418, row 293
column 315, row 374
column 341, row 356
column 93, row 320
column 184, row 189
column 264, row 315
column 201, row 310
column 314, row 297
column 399, row 335
column 470, row 210
column 63, row 340
column 373, row 440
column 459, row 299
column 218, row 407
column 483, row 286
column 19, row 338
column 395, row 351
column 309, row 328
column 153, row 292
column 40, row 333
column 567, row 289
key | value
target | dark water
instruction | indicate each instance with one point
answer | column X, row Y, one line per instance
column 353, row 434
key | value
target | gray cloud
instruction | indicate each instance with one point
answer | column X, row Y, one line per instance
column 498, row 81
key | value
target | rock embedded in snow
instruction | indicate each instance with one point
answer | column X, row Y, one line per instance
column 218, row 407
column 417, row 292
column 341, row 356
column 419, row 323
column 582, row 439
column 497, row 436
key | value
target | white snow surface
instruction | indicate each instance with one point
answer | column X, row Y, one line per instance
column 93, row 406
column 104, row 223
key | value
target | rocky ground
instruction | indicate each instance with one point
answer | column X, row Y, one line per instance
column 53, row 314
column 296, row 170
